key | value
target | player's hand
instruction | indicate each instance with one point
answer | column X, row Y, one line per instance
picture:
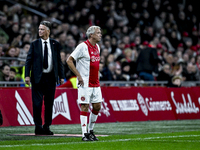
column 27, row 80
column 80, row 81
column 61, row 81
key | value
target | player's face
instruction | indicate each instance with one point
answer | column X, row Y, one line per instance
column 97, row 35
column 43, row 32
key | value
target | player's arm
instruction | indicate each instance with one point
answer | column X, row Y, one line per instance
column 70, row 63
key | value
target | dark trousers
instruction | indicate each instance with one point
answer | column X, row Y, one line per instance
column 45, row 89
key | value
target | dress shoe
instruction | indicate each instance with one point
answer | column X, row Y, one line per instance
column 39, row 131
column 47, row 131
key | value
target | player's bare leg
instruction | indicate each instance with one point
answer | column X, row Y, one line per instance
column 93, row 118
column 83, row 119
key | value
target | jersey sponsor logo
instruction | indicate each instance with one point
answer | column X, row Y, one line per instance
column 95, row 59
column 95, row 52
column 24, row 117
column 61, row 107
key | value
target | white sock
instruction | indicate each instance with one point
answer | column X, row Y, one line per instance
column 92, row 121
column 83, row 119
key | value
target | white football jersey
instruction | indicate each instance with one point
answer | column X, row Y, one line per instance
column 87, row 59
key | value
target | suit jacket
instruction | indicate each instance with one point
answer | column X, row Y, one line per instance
column 34, row 61
column 147, row 61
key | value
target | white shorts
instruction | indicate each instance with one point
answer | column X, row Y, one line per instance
column 88, row 95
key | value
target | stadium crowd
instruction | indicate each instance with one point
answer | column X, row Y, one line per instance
column 151, row 40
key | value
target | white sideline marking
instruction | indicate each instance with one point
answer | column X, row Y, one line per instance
column 121, row 140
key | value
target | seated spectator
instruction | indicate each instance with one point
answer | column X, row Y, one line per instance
column 24, row 51
column 198, row 66
column 165, row 73
column 175, row 82
column 105, row 73
column 4, row 73
column 11, row 53
column 189, row 72
column 177, row 69
column 126, row 71
column 118, row 73
column 12, row 76
column 15, row 76
column 1, row 54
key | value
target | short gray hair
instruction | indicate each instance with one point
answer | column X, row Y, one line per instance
column 91, row 30
column 47, row 24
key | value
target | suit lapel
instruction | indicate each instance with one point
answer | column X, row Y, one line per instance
column 52, row 49
column 40, row 49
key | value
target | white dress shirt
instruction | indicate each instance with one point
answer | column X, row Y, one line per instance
column 50, row 61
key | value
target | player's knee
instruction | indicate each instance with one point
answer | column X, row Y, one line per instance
column 84, row 107
column 97, row 107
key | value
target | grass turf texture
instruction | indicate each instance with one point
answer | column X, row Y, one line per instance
column 150, row 135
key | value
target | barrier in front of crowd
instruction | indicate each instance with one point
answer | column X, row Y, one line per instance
column 120, row 104
column 114, row 83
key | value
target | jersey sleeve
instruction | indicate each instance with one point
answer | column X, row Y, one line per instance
column 78, row 52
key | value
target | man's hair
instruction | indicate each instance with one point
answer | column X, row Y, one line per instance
column 13, row 70
column 3, row 66
column 91, row 30
column 176, row 77
column 46, row 23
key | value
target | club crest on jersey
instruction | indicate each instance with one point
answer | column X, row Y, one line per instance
column 93, row 58
column 82, row 98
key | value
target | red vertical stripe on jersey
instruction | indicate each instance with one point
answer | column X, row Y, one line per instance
column 94, row 64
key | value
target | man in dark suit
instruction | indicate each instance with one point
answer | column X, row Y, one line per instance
column 147, row 63
column 44, row 63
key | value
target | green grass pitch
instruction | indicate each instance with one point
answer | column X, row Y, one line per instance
column 149, row 135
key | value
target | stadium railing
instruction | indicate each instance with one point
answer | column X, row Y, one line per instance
column 137, row 83
column 114, row 83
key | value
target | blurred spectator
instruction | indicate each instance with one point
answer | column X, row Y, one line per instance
column 177, row 70
column 147, row 64
column 171, row 28
column 24, row 51
column 71, row 43
column 126, row 68
column 176, row 81
column 165, row 73
column 13, row 32
column 12, row 74
column 12, row 52
column 1, row 54
column 105, row 73
column 120, row 18
column 64, row 57
column 189, row 72
column 4, row 73
column 118, row 73
column 13, row 77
